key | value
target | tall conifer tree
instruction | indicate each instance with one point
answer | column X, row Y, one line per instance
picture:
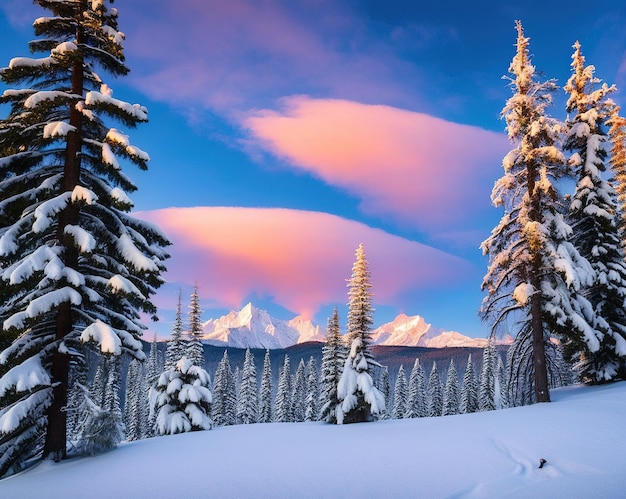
column 435, row 393
column 487, row 383
column 298, row 393
column 265, row 397
column 469, row 390
column 224, row 408
column 248, row 401
column 451, row 392
column 594, row 218
column 535, row 273
column 416, row 406
column 194, row 349
column 400, row 395
column 617, row 135
column 333, row 358
column 136, row 402
column 175, row 347
column 283, row 412
column 359, row 399
column 311, row 410
column 74, row 262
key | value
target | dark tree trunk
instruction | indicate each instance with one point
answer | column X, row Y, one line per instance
column 542, row 392
column 56, row 433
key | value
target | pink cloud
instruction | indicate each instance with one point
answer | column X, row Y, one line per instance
column 425, row 171
column 300, row 260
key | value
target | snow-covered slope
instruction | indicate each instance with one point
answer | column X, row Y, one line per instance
column 255, row 328
column 251, row 327
column 483, row 455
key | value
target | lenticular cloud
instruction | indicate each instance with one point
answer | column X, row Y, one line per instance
column 416, row 168
column 300, row 259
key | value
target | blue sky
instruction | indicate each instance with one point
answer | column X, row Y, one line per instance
column 283, row 134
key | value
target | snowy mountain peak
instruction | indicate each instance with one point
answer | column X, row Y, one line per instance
column 252, row 327
column 414, row 331
column 406, row 331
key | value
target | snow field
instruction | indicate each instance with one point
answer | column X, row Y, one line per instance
column 490, row 454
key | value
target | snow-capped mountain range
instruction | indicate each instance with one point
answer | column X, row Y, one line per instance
column 251, row 327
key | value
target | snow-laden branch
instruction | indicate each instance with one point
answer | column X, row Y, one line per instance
column 134, row 256
column 24, row 377
column 104, row 336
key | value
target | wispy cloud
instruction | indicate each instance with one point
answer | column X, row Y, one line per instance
column 421, row 170
column 231, row 56
column 297, row 259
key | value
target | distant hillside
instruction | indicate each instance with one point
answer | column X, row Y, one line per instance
column 390, row 356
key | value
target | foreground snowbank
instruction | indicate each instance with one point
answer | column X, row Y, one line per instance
column 495, row 454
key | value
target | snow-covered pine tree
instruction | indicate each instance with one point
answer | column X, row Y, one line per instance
column 298, row 393
column 136, row 402
column 153, row 372
column 224, row 409
column 74, row 262
column 501, row 386
column 594, row 219
column 360, row 310
column 183, row 401
column 311, row 410
column 384, row 385
column 534, row 272
column 359, row 399
column 617, row 135
column 400, row 395
column 194, row 350
column 451, row 392
column 520, row 372
column 112, row 401
column 78, row 387
column 101, row 427
column 175, row 347
column 98, row 384
column 248, row 401
column 265, row 397
column 416, row 406
column 332, row 364
column 282, row 406
column 487, row 381
column 469, row 390
column 435, row 393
